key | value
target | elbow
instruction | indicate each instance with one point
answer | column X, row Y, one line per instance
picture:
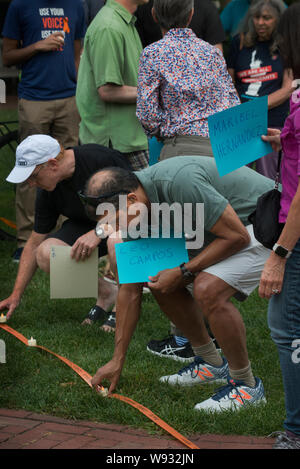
column 242, row 240
column 105, row 95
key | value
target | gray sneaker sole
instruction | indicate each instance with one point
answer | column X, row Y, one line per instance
column 195, row 383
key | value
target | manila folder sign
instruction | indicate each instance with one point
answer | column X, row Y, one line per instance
column 72, row 279
column 137, row 260
column 235, row 135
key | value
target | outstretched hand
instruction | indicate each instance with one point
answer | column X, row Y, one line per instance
column 111, row 371
column 10, row 303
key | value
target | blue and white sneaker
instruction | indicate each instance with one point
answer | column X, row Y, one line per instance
column 169, row 348
column 234, row 396
column 198, row 372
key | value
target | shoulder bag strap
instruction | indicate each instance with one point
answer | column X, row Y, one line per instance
column 278, row 169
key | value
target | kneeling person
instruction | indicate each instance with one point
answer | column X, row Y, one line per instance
column 59, row 174
column 229, row 265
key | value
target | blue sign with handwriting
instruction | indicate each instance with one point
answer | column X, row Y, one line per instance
column 235, row 135
column 137, row 260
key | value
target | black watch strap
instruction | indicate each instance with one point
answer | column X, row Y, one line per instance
column 185, row 272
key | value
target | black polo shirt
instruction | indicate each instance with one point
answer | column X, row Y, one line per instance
column 64, row 200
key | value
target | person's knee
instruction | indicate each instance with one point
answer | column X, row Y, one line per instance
column 43, row 256
column 205, row 294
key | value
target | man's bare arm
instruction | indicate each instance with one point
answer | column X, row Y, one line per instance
column 27, row 268
column 111, row 93
column 127, row 316
column 231, row 237
column 14, row 55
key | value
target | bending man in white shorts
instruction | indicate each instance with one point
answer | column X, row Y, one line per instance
column 230, row 264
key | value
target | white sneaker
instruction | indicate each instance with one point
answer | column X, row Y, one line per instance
column 234, row 396
column 198, row 372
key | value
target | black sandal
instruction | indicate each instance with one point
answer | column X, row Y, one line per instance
column 96, row 314
column 111, row 321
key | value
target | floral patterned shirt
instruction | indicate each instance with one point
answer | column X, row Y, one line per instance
column 182, row 80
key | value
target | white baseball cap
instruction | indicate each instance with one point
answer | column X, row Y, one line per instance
column 34, row 150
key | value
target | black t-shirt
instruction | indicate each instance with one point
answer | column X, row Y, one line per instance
column 64, row 200
column 258, row 73
column 205, row 23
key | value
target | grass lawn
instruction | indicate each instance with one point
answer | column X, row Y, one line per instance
column 35, row 381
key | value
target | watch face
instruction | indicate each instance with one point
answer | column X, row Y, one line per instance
column 280, row 251
column 99, row 231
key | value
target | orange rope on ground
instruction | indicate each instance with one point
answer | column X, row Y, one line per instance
column 9, row 223
column 87, row 378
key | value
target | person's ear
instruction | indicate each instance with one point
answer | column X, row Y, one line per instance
column 154, row 15
column 132, row 198
column 190, row 17
column 52, row 164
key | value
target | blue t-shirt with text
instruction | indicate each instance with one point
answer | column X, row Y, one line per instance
column 47, row 75
column 258, row 73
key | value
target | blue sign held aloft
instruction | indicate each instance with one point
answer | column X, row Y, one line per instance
column 140, row 259
column 235, row 135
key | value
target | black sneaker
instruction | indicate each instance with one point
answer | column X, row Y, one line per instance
column 169, row 349
column 17, row 255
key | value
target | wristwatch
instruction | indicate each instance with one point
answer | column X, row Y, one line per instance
column 281, row 251
column 100, row 232
column 186, row 274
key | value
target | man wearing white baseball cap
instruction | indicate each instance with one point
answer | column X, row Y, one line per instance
column 59, row 174
column 33, row 151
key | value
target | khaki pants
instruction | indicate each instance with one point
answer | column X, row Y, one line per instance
column 188, row 145
column 59, row 119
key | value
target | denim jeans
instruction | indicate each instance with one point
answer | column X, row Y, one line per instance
column 284, row 323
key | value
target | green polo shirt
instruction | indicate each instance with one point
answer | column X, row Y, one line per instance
column 112, row 49
column 195, row 179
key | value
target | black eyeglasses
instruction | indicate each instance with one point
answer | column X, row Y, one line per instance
column 94, row 201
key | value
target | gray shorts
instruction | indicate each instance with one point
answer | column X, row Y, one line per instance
column 242, row 271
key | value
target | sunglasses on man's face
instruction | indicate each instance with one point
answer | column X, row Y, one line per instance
column 94, row 201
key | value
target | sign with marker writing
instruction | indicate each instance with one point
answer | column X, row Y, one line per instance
column 137, row 260
column 235, row 135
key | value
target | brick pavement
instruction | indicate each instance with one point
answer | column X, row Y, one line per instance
column 20, row 429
